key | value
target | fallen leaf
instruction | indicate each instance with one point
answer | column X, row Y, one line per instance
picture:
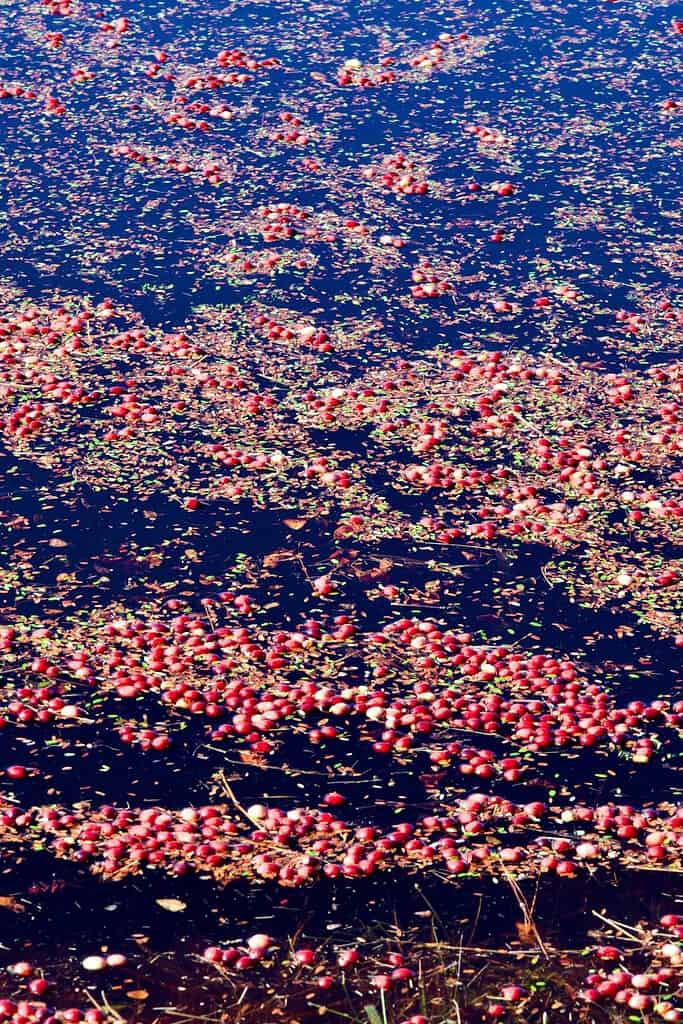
column 174, row 906
column 295, row 524
column 275, row 557
column 525, row 932
column 9, row 903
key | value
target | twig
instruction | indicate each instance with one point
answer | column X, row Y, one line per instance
column 625, row 929
column 106, row 1005
column 524, row 907
column 211, row 617
column 229, row 793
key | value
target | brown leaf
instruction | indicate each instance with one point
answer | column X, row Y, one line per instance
column 275, row 557
column 295, row 524
column 9, row 903
column 250, row 757
column 174, row 906
column 525, row 931
column 378, row 573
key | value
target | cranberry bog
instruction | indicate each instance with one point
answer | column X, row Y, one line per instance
column 341, row 422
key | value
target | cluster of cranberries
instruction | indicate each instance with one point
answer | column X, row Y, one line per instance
column 347, row 961
column 140, row 156
column 180, row 119
column 255, row 262
column 17, row 92
column 253, row 462
column 488, row 137
column 268, row 327
column 354, row 73
column 281, row 221
column 654, row 987
column 435, row 55
column 25, row 1011
column 63, row 8
column 134, row 414
column 37, row 704
column 291, row 131
column 51, row 104
column 296, row 846
column 145, row 739
column 399, row 174
column 564, row 478
column 520, row 512
column 25, row 421
column 237, row 58
column 427, row 681
column 428, row 283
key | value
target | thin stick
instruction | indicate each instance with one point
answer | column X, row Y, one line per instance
column 228, row 790
column 107, row 1006
column 625, row 929
column 524, row 907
